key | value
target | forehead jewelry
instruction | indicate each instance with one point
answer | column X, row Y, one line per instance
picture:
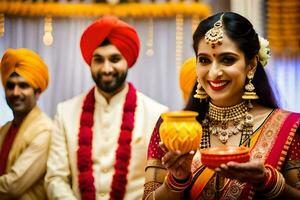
column 215, row 35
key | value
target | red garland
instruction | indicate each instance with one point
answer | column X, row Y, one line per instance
column 123, row 152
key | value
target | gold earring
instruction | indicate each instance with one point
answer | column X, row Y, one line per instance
column 200, row 93
column 250, row 93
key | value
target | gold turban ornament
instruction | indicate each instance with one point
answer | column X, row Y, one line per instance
column 27, row 64
column 187, row 77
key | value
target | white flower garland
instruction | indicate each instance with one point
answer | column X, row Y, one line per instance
column 264, row 52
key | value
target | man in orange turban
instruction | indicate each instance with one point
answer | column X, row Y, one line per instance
column 24, row 141
column 100, row 141
column 27, row 64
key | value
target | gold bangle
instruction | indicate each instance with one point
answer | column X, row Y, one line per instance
column 278, row 187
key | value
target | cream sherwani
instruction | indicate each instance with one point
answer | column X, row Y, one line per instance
column 26, row 165
column 62, row 174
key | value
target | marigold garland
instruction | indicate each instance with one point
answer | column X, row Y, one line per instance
column 123, row 152
column 135, row 10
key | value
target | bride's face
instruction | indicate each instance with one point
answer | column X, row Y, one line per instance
column 222, row 71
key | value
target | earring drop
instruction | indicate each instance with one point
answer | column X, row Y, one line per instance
column 250, row 93
column 200, row 93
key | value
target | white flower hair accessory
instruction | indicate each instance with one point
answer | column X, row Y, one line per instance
column 264, row 52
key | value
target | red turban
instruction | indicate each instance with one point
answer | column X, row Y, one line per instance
column 119, row 33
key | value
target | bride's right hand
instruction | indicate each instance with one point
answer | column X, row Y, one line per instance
column 178, row 164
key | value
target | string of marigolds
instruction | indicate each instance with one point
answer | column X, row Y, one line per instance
column 2, row 28
column 132, row 10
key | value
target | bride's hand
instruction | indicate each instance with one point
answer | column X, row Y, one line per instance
column 252, row 172
column 178, row 164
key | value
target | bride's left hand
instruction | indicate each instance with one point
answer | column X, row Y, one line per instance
column 251, row 172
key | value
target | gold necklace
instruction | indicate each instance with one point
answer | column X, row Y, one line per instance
column 223, row 122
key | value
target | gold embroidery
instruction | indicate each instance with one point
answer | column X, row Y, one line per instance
column 150, row 187
column 267, row 140
column 235, row 189
column 155, row 172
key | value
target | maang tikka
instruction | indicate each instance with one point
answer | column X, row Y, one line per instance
column 215, row 35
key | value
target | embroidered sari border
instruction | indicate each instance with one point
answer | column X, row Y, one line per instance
column 284, row 139
column 268, row 136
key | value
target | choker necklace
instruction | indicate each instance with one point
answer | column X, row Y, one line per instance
column 223, row 122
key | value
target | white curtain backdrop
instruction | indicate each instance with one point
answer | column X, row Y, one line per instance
column 285, row 75
column 252, row 10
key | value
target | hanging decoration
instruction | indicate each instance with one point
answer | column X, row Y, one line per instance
column 179, row 39
column 2, row 28
column 48, row 38
column 150, row 38
column 283, row 27
column 195, row 20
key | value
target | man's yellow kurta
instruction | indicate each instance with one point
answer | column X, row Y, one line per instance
column 26, row 166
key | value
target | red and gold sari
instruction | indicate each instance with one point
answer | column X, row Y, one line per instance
column 275, row 142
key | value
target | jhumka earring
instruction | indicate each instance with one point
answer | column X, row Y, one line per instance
column 215, row 34
column 250, row 93
column 200, row 93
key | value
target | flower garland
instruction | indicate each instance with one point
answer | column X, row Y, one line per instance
column 134, row 10
column 123, row 152
column 264, row 52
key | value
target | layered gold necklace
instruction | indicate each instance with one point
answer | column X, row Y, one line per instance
column 224, row 122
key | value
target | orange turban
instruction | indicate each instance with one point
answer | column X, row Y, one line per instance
column 27, row 64
column 187, row 77
column 119, row 33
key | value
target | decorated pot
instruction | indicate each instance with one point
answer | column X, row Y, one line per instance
column 180, row 131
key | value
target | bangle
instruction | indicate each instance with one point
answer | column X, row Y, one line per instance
column 269, row 180
column 175, row 185
column 277, row 188
column 274, row 183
